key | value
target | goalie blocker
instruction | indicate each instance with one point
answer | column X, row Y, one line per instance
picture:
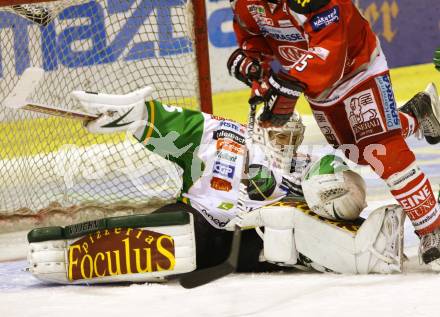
column 150, row 248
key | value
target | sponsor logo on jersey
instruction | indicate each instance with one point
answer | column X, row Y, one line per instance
column 363, row 114
column 225, row 155
column 265, row 21
column 230, row 125
column 259, row 14
column 226, row 134
column 229, row 145
column 291, row 53
column 220, row 184
column 256, row 9
column 119, row 251
column 285, row 23
column 219, row 223
column 326, row 127
column 410, row 175
column 419, row 205
column 225, row 205
column 321, row 52
column 217, row 118
column 223, row 169
column 291, row 34
column 324, row 19
column 388, row 101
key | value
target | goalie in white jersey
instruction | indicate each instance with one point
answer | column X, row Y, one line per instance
column 210, row 151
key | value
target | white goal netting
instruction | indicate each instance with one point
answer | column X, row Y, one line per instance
column 53, row 171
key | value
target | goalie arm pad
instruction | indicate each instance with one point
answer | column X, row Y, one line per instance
column 140, row 248
column 334, row 191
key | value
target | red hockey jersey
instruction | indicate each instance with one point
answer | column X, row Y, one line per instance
column 321, row 49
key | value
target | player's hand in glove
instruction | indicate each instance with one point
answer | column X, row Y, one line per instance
column 116, row 112
column 437, row 59
column 244, row 68
column 279, row 94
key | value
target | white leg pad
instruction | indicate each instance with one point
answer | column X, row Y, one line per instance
column 51, row 261
column 375, row 246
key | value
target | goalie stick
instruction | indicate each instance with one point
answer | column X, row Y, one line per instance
column 28, row 82
column 205, row 276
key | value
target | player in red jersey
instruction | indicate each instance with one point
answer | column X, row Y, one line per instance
column 326, row 50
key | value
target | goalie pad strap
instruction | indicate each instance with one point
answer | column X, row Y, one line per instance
column 132, row 221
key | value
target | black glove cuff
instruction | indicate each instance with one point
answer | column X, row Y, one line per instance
column 287, row 88
column 276, row 120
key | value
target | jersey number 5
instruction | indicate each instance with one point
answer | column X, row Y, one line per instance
column 302, row 62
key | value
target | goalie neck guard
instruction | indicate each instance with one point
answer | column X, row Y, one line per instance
column 281, row 143
column 306, row 6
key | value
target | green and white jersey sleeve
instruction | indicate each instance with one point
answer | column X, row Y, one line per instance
column 175, row 134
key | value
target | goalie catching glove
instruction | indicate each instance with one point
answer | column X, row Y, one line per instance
column 333, row 191
column 116, row 112
column 279, row 94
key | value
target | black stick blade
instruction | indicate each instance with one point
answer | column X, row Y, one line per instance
column 205, row 276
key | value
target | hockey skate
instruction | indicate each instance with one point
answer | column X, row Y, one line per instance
column 425, row 106
column 390, row 255
column 430, row 248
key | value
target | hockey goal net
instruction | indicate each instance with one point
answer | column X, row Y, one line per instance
column 53, row 171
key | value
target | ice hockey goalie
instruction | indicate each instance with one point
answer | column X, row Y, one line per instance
column 194, row 233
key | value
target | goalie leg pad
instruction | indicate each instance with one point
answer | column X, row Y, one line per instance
column 372, row 246
column 114, row 250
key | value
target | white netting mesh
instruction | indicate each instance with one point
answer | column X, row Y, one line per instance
column 112, row 46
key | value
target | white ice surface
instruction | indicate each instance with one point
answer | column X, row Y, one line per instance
column 416, row 293
column 276, row 294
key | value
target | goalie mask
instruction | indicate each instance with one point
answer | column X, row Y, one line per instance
column 281, row 143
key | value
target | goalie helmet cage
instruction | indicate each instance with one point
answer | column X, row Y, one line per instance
column 53, row 171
